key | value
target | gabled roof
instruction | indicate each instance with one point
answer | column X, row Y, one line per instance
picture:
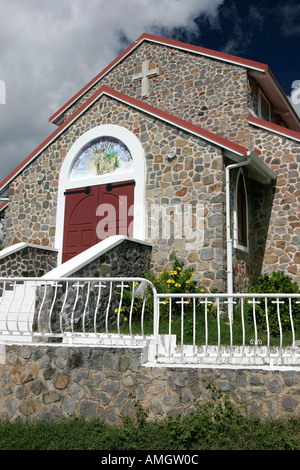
column 226, row 144
column 260, row 71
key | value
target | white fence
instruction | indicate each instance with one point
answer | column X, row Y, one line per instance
column 173, row 328
column 90, row 310
column 261, row 330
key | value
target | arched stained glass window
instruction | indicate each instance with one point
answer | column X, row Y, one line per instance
column 101, row 156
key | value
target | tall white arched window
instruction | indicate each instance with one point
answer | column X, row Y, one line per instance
column 241, row 224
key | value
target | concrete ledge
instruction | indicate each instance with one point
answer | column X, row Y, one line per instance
column 20, row 246
column 75, row 264
column 27, row 260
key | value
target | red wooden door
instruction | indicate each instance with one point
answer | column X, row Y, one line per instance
column 95, row 213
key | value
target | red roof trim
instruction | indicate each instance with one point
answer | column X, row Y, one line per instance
column 33, row 154
column 3, row 206
column 167, row 42
column 144, row 107
column 274, row 127
column 209, row 52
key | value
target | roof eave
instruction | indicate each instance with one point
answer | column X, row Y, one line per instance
column 275, row 128
column 143, row 107
column 258, row 170
column 277, row 97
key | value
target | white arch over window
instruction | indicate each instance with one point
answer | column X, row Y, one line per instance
column 136, row 172
column 240, row 214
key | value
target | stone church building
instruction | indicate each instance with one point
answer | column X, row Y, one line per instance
column 171, row 149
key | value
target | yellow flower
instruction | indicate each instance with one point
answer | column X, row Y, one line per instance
column 170, row 281
column 177, row 284
column 116, row 310
column 202, row 290
column 173, row 273
column 188, row 281
column 178, row 268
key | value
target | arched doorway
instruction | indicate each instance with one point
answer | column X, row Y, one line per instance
column 101, row 190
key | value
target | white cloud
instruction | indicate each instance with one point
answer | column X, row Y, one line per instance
column 50, row 49
column 290, row 16
column 295, row 96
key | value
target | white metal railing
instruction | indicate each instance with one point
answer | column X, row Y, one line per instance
column 176, row 328
column 252, row 335
column 74, row 310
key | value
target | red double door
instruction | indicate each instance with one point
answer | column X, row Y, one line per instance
column 95, row 213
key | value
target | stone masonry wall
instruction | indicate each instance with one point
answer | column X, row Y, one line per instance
column 217, row 96
column 129, row 258
column 28, row 262
column 201, row 90
column 47, row 383
column 274, row 217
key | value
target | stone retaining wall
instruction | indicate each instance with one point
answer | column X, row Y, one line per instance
column 30, row 261
column 128, row 259
column 45, row 383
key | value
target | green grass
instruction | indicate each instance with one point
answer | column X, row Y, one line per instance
column 213, row 330
column 218, row 425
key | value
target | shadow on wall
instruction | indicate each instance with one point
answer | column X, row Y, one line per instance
column 248, row 266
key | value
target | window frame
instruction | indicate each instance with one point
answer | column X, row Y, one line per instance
column 261, row 96
column 137, row 173
column 236, row 221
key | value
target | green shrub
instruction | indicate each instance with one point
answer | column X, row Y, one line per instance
column 278, row 283
column 178, row 280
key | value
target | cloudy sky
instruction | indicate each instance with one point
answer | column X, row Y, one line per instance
column 49, row 49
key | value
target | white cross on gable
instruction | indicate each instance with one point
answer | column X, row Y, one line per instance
column 145, row 75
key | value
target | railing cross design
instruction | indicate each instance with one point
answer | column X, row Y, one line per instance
column 82, row 311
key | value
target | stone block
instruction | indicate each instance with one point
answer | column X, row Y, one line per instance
column 207, row 254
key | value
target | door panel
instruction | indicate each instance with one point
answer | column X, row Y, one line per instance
column 93, row 216
column 79, row 229
column 121, row 198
